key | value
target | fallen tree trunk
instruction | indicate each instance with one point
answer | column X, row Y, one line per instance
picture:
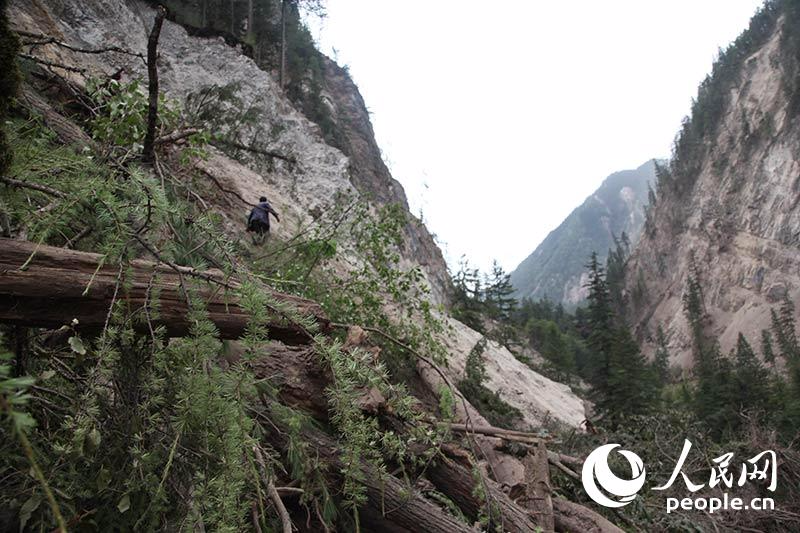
column 391, row 504
column 491, row 431
column 458, row 484
column 297, row 375
column 538, row 492
column 44, row 286
column 67, row 131
column 47, row 286
column 572, row 517
column 505, row 469
column 301, row 384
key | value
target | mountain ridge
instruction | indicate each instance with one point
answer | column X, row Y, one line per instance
column 555, row 269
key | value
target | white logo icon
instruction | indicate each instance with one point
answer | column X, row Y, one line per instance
column 596, row 466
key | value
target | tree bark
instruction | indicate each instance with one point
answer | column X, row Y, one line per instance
column 296, row 373
column 282, row 74
column 505, row 469
column 301, row 384
column 148, row 151
column 58, row 285
column 538, row 493
column 576, row 518
column 458, row 484
column 67, row 131
column 391, row 504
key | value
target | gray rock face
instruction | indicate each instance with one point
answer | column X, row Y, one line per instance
column 740, row 220
column 556, row 269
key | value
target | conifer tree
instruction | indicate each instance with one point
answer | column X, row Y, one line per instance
column 784, row 329
column 630, row 390
column 499, row 290
column 601, row 324
column 716, row 399
column 621, row 383
column 704, row 352
column 790, row 347
column 661, row 358
column 9, row 80
column 767, row 351
column 751, row 377
column 468, row 296
column 615, row 273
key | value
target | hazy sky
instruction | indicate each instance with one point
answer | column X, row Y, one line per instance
column 499, row 118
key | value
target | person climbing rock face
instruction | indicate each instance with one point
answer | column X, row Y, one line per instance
column 258, row 221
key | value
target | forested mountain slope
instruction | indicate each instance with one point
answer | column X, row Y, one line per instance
column 557, row 267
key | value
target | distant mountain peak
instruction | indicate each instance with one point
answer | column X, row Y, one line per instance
column 555, row 268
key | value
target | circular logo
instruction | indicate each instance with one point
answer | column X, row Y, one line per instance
column 596, row 471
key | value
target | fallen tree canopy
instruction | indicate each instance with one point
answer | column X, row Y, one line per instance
column 45, row 286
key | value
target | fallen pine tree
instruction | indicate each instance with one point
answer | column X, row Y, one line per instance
column 46, row 286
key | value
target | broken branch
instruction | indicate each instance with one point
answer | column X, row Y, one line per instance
column 148, row 152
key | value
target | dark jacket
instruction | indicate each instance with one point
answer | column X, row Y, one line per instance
column 259, row 216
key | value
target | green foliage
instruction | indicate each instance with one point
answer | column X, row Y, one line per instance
column 767, row 351
column 552, row 331
column 615, row 273
column 93, row 198
column 121, row 116
column 784, row 330
column 622, row 385
column 475, row 368
column 752, row 379
column 714, row 92
column 484, row 302
column 661, row 357
column 363, row 441
column 142, row 417
column 658, row 438
column 14, row 396
column 9, row 81
column 468, row 296
column 704, row 350
column 498, row 294
column 560, row 349
column 269, row 29
column 130, row 426
column 725, row 388
column 309, row 265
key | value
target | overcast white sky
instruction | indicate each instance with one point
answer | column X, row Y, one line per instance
column 499, row 118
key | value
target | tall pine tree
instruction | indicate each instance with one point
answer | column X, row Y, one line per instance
column 621, row 383
column 661, row 358
column 498, row 293
column 752, row 378
column 600, row 321
column 767, row 351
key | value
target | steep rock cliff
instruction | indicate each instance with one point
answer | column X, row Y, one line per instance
column 729, row 197
column 326, row 94
column 299, row 188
